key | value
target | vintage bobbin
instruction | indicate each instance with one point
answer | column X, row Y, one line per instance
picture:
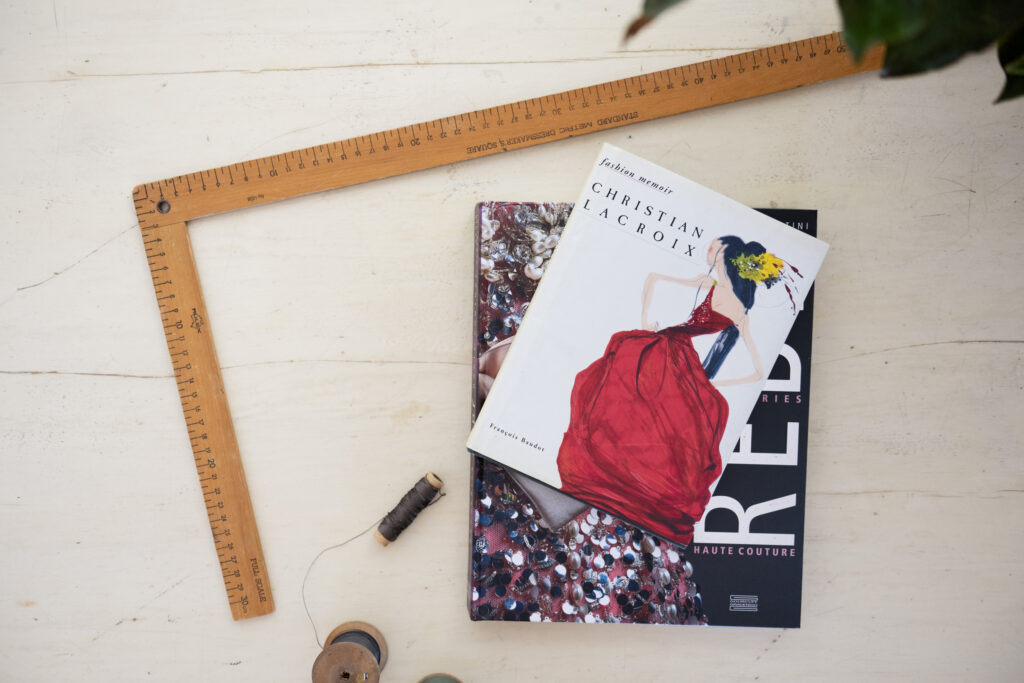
column 354, row 651
column 414, row 502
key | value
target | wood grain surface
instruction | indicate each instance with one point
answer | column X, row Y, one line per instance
column 164, row 207
column 342, row 325
column 211, row 433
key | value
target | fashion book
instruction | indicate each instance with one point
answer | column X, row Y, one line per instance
column 647, row 344
column 540, row 555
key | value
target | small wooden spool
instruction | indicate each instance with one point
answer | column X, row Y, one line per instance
column 354, row 651
column 380, row 533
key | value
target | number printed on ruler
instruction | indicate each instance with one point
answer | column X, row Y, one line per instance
column 207, row 419
column 502, row 128
column 164, row 207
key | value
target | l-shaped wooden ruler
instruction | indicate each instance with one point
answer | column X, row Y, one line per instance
column 164, row 207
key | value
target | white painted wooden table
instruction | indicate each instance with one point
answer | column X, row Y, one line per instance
column 342, row 322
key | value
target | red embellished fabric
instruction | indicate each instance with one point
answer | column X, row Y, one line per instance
column 593, row 568
column 646, row 427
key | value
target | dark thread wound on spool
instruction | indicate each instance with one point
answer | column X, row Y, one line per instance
column 411, row 505
column 361, row 638
column 354, row 651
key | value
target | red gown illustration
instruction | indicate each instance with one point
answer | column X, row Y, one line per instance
column 646, row 426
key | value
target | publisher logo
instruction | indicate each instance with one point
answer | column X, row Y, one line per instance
column 742, row 603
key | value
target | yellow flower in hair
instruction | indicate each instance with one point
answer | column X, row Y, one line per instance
column 764, row 269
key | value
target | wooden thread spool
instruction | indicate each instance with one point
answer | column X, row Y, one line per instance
column 354, row 651
column 412, row 503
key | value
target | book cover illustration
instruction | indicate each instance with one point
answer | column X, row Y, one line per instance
column 538, row 555
column 642, row 353
column 749, row 547
column 526, row 557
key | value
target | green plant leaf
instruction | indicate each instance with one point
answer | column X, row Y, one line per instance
column 926, row 34
column 652, row 8
column 1011, row 52
column 1014, row 88
column 655, row 7
column 1011, row 57
column 866, row 22
column 919, row 35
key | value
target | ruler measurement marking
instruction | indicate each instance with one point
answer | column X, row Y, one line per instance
column 200, row 390
column 163, row 210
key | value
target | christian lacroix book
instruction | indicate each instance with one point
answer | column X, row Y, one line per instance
column 647, row 345
column 564, row 560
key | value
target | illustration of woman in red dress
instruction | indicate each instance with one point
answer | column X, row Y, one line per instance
column 646, row 418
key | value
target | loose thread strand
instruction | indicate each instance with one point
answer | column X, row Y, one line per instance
column 309, row 616
column 425, row 493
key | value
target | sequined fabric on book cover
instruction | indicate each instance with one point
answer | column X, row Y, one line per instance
column 540, row 555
